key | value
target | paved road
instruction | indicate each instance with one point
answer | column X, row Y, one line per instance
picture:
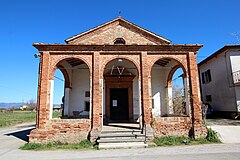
column 13, row 137
column 199, row 152
column 229, row 130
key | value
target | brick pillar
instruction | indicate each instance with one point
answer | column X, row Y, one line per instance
column 96, row 98
column 43, row 97
column 197, row 129
column 146, row 95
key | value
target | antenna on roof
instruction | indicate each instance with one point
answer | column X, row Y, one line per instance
column 236, row 35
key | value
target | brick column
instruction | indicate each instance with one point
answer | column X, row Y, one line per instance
column 197, row 129
column 43, row 97
column 96, row 98
column 146, row 95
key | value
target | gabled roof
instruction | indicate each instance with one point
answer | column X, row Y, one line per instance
column 145, row 33
column 223, row 49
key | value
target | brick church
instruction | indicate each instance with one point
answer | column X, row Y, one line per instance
column 117, row 72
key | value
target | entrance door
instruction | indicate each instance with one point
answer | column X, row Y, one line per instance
column 119, row 104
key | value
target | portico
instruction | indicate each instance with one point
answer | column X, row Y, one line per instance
column 117, row 72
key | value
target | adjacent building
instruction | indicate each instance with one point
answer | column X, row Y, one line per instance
column 220, row 79
column 117, row 72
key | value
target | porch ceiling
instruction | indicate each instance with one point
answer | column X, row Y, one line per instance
column 74, row 62
column 163, row 62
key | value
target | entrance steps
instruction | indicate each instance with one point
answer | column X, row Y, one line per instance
column 121, row 136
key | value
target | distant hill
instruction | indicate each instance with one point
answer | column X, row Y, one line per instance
column 8, row 105
column 17, row 105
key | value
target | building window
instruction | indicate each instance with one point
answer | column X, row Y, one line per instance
column 119, row 41
column 208, row 98
column 87, row 106
column 206, row 77
column 87, row 94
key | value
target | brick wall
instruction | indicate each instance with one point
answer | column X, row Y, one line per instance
column 171, row 126
column 62, row 130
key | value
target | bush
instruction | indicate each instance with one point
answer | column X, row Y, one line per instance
column 171, row 140
column 212, row 136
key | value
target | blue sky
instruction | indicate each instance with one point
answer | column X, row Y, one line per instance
column 207, row 22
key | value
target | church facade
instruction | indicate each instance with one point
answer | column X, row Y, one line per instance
column 117, row 72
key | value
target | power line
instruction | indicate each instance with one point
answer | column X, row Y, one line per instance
column 59, row 78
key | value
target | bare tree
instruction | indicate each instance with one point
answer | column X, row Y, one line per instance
column 179, row 104
column 32, row 105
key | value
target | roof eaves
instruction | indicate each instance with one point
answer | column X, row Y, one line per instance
column 215, row 54
column 88, row 31
column 112, row 21
column 149, row 32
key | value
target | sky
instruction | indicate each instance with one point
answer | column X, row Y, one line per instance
column 208, row 22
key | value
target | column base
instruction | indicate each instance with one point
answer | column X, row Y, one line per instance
column 94, row 134
column 149, row 133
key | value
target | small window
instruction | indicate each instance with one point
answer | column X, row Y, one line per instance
column 203, row 78
column 119, row 41
column 206, row 77
column 87, row 94
column 208, row 98
column 153, row 103
column 87, row 106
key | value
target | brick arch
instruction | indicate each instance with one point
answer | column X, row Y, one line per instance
column 170, row 75
column 179, row 63
column 62, row 58
column 66, row 76
column 120, row 57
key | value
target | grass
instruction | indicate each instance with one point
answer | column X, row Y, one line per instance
column 85, row 144
column 211, row 137
column 12, row 118
column 57, row 114
column 17, row 117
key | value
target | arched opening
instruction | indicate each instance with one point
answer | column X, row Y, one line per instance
column 178, row 93
column 119, row 41
column 169, row 88
column 121, row 92
column 70, row 90
column 59, row 83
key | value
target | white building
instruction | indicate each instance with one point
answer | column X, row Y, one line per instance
column 220, row 79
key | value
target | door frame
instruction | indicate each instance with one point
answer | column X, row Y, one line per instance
column 119, row 82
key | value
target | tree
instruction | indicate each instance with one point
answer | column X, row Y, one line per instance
column 179, row 104
column 32, row 105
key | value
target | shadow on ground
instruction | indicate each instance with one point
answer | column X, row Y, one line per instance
column 223, row 122
column 23, row 135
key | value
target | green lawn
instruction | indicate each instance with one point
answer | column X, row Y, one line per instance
column 16, row 117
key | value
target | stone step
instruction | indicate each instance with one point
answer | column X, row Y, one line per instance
column 122, row 131
column 122, row 145
column 109, row 135
column 121, row 139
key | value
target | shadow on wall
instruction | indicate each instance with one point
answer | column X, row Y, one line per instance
column 23, row 135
